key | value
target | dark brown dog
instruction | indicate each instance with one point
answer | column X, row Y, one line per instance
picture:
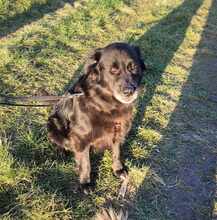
column 102, row 116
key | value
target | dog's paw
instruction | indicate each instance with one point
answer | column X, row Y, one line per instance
column 86, row 188
column 122, row 173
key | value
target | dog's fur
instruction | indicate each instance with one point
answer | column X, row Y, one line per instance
column 102, row 116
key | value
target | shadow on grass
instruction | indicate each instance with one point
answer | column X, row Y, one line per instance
column 33, row 148
column 37, row 11
column 8, row 202
column 186, row 158
column 5, row 87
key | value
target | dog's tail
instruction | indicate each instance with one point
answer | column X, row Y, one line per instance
column 111, row 214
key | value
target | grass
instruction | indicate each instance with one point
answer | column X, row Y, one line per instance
column 46, row 47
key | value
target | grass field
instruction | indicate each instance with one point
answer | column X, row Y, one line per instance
column 171, row 150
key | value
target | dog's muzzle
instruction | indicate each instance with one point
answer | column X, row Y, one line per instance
column 129, row 89
column 127, row 94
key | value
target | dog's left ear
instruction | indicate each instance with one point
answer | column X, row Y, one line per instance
column 90, row 68
column 142, row 64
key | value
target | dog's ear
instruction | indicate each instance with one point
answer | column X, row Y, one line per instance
column 90, row 68
column 142, row 64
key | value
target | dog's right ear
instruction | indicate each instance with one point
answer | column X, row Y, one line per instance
column 91, row 73
column 90, row 67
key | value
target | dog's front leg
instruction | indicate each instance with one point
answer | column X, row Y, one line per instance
column 119, row 169
column 83, row 167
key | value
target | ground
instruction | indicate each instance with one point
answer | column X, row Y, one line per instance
column 171, row 150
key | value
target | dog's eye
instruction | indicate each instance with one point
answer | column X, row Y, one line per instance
column 131, row 67
column 115, row 69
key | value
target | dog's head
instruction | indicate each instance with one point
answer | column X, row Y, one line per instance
column 118, row 67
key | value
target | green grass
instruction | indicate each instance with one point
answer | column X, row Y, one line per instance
column 46, row 47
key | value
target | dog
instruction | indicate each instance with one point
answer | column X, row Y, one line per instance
column 101, row 117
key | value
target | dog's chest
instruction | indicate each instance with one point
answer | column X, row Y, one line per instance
column 117, row 131
column 111, row 129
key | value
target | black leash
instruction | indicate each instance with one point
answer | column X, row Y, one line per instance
column 50, row 100
column 4, row 104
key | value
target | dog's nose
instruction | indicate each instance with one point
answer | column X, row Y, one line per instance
column 130, row 89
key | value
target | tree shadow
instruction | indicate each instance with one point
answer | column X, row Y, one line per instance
column 33, row 148
column 11, row 24
column 186, row 156
column 65, row 184
column 8, row 202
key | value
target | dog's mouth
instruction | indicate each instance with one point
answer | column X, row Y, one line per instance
column 125, row 97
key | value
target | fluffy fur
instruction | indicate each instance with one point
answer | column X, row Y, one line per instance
column 102, row 116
